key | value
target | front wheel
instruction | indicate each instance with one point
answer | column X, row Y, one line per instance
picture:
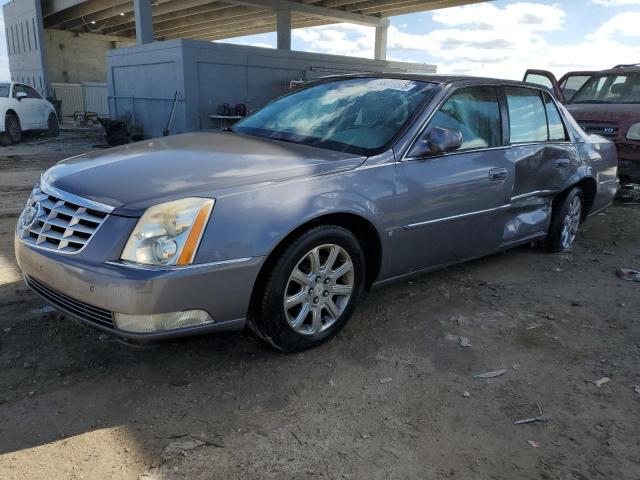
column 565, row 221
column 311, row 290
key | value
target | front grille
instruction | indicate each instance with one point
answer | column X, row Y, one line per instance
column 71, row 305
column 604, row 129
column 53, row 222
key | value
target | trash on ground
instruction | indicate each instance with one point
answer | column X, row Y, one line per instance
column 598, row 383
column 533, row 443
column 515, row 366
column 533, row 326
column 185, row 443
column 464, row 342
column 466, row 394
column 637, row 389
column 539, row 418
column 628, row 274
column 42, row 310
column 385, row 380
column 484, row 376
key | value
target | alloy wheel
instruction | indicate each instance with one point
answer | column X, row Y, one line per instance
column 571, row 222
column 319, row 289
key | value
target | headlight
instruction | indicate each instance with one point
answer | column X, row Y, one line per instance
column 634, row 132
column 169, row 233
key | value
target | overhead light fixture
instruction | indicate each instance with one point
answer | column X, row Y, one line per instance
column 122, row 14
column 93, row 22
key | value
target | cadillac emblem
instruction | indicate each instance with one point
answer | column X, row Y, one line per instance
column 30, row 215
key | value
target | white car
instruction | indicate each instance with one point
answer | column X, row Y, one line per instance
column 22, row 108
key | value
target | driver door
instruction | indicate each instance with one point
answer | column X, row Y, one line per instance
column 453, row 206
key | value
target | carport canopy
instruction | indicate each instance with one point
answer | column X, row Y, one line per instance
column 149, row 20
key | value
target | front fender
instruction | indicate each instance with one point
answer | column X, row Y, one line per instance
column 253, row 223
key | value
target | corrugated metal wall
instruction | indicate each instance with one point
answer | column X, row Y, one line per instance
column 82, row 97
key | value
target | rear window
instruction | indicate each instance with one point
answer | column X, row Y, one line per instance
column 527, row 116
column 557, row 132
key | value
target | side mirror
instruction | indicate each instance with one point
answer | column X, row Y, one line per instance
column 437, row 140
column 21, row 95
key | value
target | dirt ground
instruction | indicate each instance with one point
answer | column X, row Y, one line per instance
column 385, row 399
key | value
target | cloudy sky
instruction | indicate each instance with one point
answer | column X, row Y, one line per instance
column 500, row 38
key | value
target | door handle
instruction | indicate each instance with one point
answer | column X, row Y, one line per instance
column 562, row 163
column 498, row 174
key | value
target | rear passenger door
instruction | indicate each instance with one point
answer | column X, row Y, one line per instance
column 544, row 158
column 452, row 206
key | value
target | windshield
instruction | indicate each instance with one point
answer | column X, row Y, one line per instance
column 4, row 89
column 610, row 88
column 358, row 115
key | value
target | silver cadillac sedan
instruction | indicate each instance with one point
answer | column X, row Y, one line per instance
column 281, row 223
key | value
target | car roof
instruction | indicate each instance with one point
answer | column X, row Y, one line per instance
column 437, row 78
column 622, row 69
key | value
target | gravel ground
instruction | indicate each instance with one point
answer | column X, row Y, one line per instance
column 392, row 396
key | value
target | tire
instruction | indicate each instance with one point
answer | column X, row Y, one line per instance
column 565, row 221
column 53, row 127
column 323, row 298
column 12, row 131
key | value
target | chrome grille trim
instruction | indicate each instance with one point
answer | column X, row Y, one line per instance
column 64, row 223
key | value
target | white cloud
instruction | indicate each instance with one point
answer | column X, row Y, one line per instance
column 485, row 39
column 616, row 3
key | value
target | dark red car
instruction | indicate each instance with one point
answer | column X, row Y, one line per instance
column 605, row 103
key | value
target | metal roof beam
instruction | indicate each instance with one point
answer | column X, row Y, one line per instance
column 174, row 9
column 82, row 9
column 318, row 12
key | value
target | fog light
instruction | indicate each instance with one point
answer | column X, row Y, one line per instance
column 161, row 321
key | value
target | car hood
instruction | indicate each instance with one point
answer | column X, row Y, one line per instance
column 135, row 176
column 622, row 114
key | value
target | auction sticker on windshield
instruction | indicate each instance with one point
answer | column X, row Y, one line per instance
column 391, row 84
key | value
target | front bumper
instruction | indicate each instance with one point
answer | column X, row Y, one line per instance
column 629, row 161
column 91, row 292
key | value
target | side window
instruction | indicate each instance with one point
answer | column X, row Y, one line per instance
column 527, row 117
column 17, row 88
column 541, row 80
column 31, row 93
column 475, row 112
column 557, row 132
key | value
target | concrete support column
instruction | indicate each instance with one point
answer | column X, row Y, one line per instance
column 144, row 21
column 284, row 29
column 380, row 50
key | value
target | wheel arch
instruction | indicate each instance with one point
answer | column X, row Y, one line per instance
column 589, row 188
column 362, row 228
column 13, row 112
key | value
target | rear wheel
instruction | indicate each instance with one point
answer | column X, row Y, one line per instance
column 53, row 127
column 311, row 290
column 12, row 131
column 566, row 220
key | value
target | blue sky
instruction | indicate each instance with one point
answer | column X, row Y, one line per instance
column 500, row 38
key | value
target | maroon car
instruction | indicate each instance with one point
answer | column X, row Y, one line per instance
column 605, row 103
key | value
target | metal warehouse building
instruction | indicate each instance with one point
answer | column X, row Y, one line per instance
column 134, row 57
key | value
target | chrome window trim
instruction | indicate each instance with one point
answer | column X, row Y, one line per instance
column 454, row 217
column 160, row 268
column 83, row 202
